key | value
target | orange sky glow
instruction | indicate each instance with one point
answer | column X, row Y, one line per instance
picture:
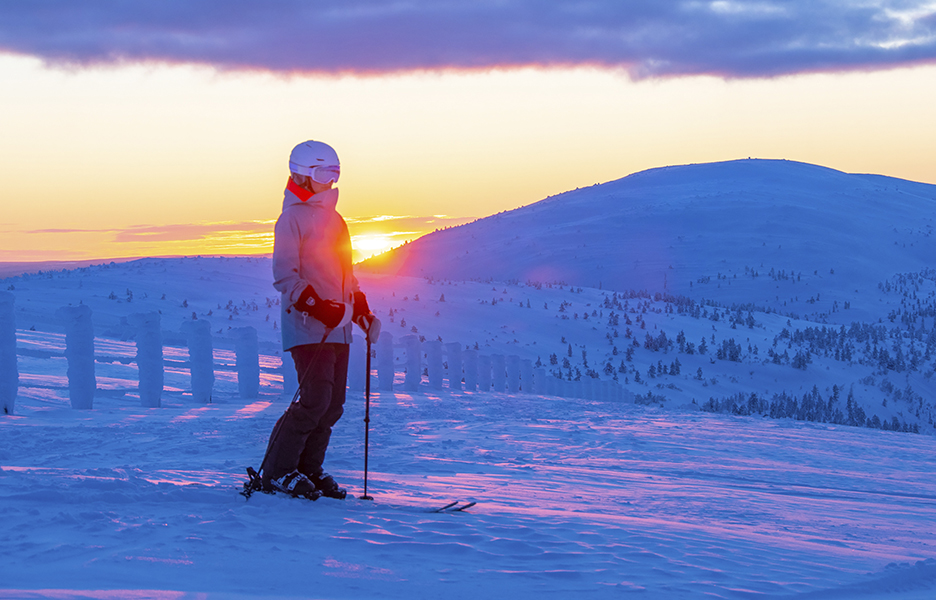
column 137, row 160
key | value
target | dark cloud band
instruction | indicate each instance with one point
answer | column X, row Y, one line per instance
column 732, row 38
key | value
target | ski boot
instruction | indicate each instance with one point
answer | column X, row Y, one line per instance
column 297, row 485
column 328, row 487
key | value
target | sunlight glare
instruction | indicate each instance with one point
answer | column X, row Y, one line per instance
column 370, row 244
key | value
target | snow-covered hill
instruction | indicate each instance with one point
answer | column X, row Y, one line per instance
column 791, row 236
column 775, row 372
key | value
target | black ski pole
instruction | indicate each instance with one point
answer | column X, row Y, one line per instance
column 367, row 417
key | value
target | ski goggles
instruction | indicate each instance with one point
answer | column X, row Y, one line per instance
column 325, row 175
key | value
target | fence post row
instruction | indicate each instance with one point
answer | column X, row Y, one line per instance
column 496, row 372
column 480, row 372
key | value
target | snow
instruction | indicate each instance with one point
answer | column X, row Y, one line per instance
column 574, row 497
column 615, row 483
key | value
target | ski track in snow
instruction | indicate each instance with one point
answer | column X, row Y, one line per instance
column 574, row 497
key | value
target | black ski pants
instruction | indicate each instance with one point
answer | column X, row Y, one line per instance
column 300, row 437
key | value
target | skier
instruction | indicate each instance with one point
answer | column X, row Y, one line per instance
column 320, row 299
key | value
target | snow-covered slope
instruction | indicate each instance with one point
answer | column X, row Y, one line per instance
column 773, row 233
column 578, row 499
column 575, row 496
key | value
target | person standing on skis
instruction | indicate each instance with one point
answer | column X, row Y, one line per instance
column 320, row 299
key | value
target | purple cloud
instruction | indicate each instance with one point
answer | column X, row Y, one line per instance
column 731, row 38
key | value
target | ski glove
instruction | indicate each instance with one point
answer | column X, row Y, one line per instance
column 364, row 318
column 370, row 325
column 360, row 305
column 329, row 312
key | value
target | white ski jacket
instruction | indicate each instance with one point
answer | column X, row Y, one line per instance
column 311, row 247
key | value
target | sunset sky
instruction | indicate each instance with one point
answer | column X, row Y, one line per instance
column 163, row 127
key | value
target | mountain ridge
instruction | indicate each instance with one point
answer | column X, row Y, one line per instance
column 708, row 230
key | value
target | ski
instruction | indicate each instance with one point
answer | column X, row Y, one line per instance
column 453, row 507
column 444, row 508
column 255, row 484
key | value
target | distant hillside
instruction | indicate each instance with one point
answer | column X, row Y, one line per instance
column 775, row 233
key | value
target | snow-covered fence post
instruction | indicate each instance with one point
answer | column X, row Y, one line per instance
column 539, row 381
column 201, row 359
column 627, row 396
column 79, row 350
column 434, row 363
column 385, row 368
column 484, row 373
column 453, row 353
column 555, row 387
column 149, row 357
column 551, row 386
column 498, row 372
column 290, row 377
column 9, row 375
column 357, row 364
column 470, row 358
column 513, row 374
column 247, row 359
column 413, row 363
column 526, row 375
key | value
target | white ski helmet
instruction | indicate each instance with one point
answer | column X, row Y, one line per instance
column 317, row 160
